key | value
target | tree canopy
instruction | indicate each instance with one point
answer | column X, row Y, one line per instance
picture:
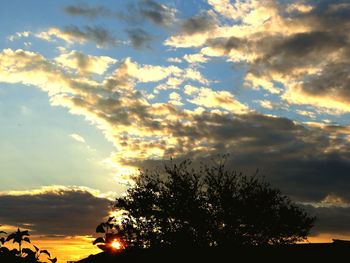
column 208, row 206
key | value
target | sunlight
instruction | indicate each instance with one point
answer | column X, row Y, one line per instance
column 116, row 244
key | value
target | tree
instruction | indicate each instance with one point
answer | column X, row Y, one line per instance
column 19, row 237
column 23, row 254
column 209, row 206
column 2, row 239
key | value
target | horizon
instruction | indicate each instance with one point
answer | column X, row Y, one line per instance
column 93, row 91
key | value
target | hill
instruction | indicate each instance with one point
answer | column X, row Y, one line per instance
column 321, row 252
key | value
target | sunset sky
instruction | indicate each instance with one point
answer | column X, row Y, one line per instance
column 91, row 91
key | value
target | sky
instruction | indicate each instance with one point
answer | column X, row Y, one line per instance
column 92, row 91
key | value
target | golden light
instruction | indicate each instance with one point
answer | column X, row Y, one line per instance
column 116, row 244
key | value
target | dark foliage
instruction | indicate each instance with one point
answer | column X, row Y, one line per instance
column 284, row 253
column 207, row 207
column 25, row 255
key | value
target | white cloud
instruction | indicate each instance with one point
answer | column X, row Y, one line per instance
column 266, row 104
column 77, row 137
column 19, row 35
column 196, row 58
column 175, row 99
column 209, row 98
column 54, row 33
column 85, row 63
column 174, row 60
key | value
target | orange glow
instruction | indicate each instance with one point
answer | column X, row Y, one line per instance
column 116, row 244
column 65, row 249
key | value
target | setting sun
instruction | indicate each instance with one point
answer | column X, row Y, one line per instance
column 116, row 244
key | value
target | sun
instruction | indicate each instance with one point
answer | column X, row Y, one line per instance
column 116, row 244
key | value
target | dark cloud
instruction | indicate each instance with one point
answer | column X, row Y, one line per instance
column 310, row 47
column 297, row 51
column 139, row 38
column 55, row 212
column 226, row 44
column 158, row 14
column 326, row 46
column 87, row 11
column 197, row 24
column 327, row 15
column 99, row 35
column 303, row 161
column 334, row 79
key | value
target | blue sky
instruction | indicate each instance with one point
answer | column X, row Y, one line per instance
column 90, row 91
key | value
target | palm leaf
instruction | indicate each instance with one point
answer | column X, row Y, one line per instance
column 28, row 251
column 10, row 236
column 53, row 260
column 98, row 240
column 44, row 251
column 25, row 233
column 26, row 239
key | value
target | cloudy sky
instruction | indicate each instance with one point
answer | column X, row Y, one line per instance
column 90, row 91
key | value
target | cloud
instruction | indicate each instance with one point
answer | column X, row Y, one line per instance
column 195, row 58
column 73, row 34
column 266, row 104
column 77, row 137
column 87, row 11
column 301, row 47
column 332, row 219
column 158, row 14
column 175, row 99
column 19, row 35
column 139, row 38
column 173, row 75
column 54, row 210
column 193, row 31
column 209, row 98
column 150, row 73
column 309, row 114
column 197, row 24
column 32, row 69
column 174, row 60
column 308, row 162
column 85, row 63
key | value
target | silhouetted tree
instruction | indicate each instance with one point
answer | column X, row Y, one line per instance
column 26, row 255
column 209, row 206
column 2, row 239
column 19, row 237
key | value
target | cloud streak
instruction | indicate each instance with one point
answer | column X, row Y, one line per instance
column 149, row 10
column 73, row 34
column 139, row 38
column 87, row 11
